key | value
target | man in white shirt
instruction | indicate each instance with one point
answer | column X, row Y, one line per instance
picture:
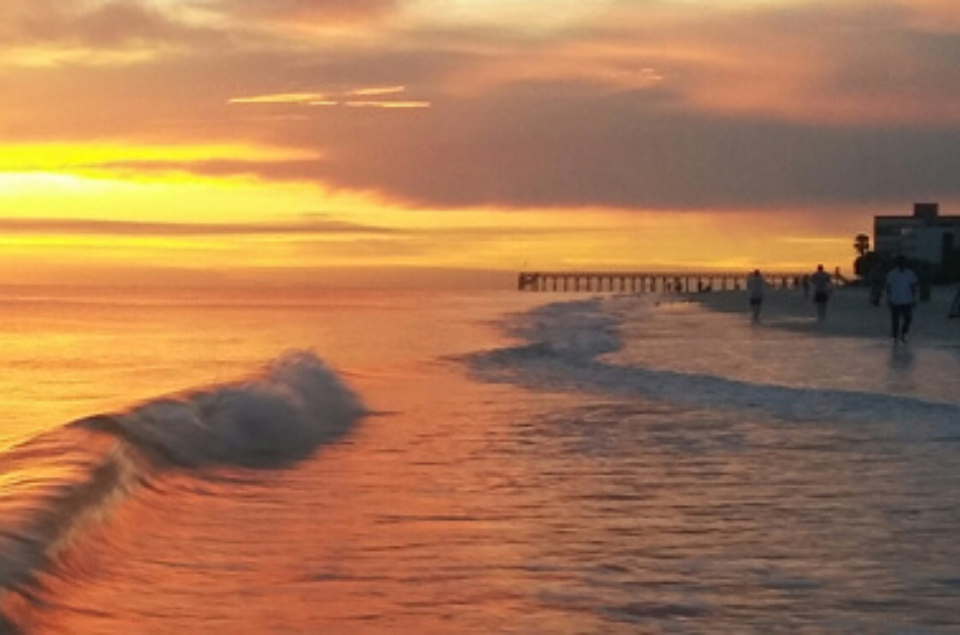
column 902, row 297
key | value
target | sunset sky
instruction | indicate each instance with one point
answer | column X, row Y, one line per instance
column 304, row 140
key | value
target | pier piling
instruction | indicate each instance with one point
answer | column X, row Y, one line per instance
column 640, row 282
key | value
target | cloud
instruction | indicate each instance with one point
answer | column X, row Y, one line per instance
column 775, row 107
column 300, row 99
column 93, row 25
column 387, row 105
column 307, row 13
column 628, row 154
column 304, row 170
column 639, row 105
column 312, row 225
column 373, row 97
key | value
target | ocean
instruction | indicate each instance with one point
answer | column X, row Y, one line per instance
column 296, row 461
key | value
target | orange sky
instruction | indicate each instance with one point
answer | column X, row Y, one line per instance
column 216, row 141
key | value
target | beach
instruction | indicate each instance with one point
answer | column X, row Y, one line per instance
column 416, row 316
column 464, row 462
column 849, row 313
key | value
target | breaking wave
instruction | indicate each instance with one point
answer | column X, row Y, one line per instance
column 56, row 485
column 295, row 405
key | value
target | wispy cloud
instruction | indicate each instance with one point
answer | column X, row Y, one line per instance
column 282, row 98
column 306, row 12
column 375, row 91
column 388, row 105
column 358, row 97
column 300, row 170
column 104, row 228
column 95, row 26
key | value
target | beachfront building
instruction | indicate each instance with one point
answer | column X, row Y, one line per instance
column 926, row 235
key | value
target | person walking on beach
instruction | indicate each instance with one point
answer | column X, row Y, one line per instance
column 822, row 286
column 902, row 287
column 755, row 287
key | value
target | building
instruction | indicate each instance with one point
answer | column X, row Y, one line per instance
column 926, row 235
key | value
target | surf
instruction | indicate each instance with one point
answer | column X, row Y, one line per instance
column 571, row 346
column 60, row 484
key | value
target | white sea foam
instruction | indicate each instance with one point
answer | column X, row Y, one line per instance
column 282, row 414
column 567, row 347
column 275, row 418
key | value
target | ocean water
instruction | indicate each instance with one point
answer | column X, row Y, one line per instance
column 344, row 462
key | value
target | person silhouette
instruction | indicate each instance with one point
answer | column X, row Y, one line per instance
column 822, row 287
column 902, row 287
column 755, row 288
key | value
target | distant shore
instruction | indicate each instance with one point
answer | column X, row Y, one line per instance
column 849, row 313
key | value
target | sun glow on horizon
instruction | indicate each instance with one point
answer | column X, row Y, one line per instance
column 63, row 156
column 161, row 136
column 91, row 225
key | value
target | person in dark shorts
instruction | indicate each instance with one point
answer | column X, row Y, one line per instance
column 822, row 287
column 755, row 287
column 902, row 287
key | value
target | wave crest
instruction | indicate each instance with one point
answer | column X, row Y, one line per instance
column 281, row 415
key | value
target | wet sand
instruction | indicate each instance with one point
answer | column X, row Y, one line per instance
column 849, row 313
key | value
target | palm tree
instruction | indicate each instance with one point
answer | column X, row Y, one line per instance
column 862, row 244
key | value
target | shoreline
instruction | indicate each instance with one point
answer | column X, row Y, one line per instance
column 849, row 313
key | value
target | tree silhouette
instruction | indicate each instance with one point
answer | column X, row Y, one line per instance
column 862, row 244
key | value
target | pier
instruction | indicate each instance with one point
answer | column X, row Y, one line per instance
column 660, row 282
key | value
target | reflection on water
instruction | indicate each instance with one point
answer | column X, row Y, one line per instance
column 546, row 516
column 476, row 508
column 901, row 358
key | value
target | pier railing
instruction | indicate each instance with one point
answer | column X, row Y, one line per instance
column 660, row 282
